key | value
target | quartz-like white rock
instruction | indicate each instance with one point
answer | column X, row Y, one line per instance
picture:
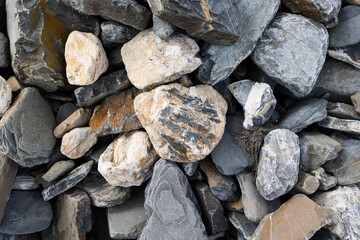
column 58, row 169
column 5, row 96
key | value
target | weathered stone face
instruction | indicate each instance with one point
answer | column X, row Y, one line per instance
column 348, row 54
column 5, row 96
column 79, row 118
column 58, row 169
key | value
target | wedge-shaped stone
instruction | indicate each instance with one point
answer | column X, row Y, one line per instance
column 344, row 125
column 79, row 118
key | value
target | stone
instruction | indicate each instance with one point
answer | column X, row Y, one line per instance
column 344, row 33
column 15, row 84
column 184, row 124
column 346, row 167
column 59, row 97
column 212, row 211
column 316, row 149
column 342, row 110
column 326, row 181
column 58, row 169
column 294, row 62
column 72, row 217
column 257, row 100
column 170, row 206
column 26, row 129
column 37, row 32
column 190, row 168
column 26, row 212
column 79, row 118
column 299, row 218
column 115, row 32
column 355, row 99
column 151, row 61
column 234, row 206
column 162, row 28
column 101, row 193
column 85, row 58
column 344, row 125
column 97, row 150
column 185, row 81
column 323, row 234
column 242, row 224
column 115, row 59
column 33, row 236
column 306, row 184
column 349, row 54
column 69, row 181
column 116, row 114
column 321, row 11
column 278, row 168
column 303, row 113
column 24, row 182
column 128, row 12
column 4, row 51
column 353, row 2
column 221, row 61
column 77, row 142
column 65, row 111
column 127, row 220
column 255, row 206
column 6, row 95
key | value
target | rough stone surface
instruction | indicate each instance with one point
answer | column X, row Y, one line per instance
column 299, row 218
column 184, row 124
column 116, row 114
column 293, row 62
column 26, row 130
column 344, row 125
column 349, row 54
column 151, row 61
column 15, row 84
column 234, row 205
column 24, row 182
column 162, row 28
column 242, row 224
column 170, row 205
column 26, row 212
column 79, row 118
column 278, row 167
column 77, row 142
column 342, row 110
column 221, row 61
column 190, row 168
column 85, row 58
column 4, row 51
column 306, row 184
column 128, row 160
column 5, row 95
column 303, row 113
column 355, row 99
column 65, row 111
column 326, row 181
column 116, row 32
column 69, row 181
column 58, row 169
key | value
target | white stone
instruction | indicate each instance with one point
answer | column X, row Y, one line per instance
column 58, row 169
column 5, row 96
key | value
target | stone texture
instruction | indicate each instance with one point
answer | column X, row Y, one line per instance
column 344, row 125
column 69, row 181
column 79, row 118
column 58, row 169
column 24, row 182
column 116, row 114
column 190, row 168
column 26, row 130
column 114, row 32
column 353, row 2
column 151, row 61
column 128, row 160
column 242, row 224
column 342, row 110
column 316, row 149
column 5, row 94
column 299, row 218
column 85, row 58
column 101, row 193
column 64, row 112
column 349, row 54
column 355, row 99
column 33, row 236
column 77, row 142
column 4, row 51
column 184, row 124
column 293, row 62
column 14, row 84
column 115, row 59
column 234, row 205
column 303, row 113
column 326, row 181
column 37, row 32
column 306, row 184
column 221, row 61
column 278, row 167
column 26, row 212
column 162, row 28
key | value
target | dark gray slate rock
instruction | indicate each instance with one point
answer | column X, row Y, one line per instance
column 4, row 51
column 346, row 33
column 221, row 87
column 292, row 51
column 303, row 113
column 326, row 181
column 212, row 211
column 344, row 125
column 69, row 181
column 64, row 112
column 162, row 28
column 349, row 54
column 115, row 58
column 342, row 110
column 221, row 61
column 116, row 32
column 105, row 86
column 26, row 130
column 128, row 12
column 170, row 205
column 242, row 224
column 26, row 212
column 190, row 167
column 25, row 182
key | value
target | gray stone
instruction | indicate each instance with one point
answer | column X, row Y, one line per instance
column 345, row 33
column 4, row 51
column 326, row 181
column 170, row 206
column 64, row 112
column 115, row 59
column 278, row 168
column 103, row 87
column 306, row 184
column 101, row 193
column 353, row 2
column 162, row 28
column 303, row 113
column 342, row 110
column 26, row 212
column 349, row 54
column 97, row 150
column 25, row 182
column 221, row 61
column 344, row 125
column 355, row 99
column 185, row 81
column 316, row 149
column 242, row 224
column 332, row 23
column 116, row 32
column 292, row 51
column 128, row 12
column 26, row 130
column 69, row 181
column 127, row 220
column 190, row 168
column 221, row 87
column 58, row 169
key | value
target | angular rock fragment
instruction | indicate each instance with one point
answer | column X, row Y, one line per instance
column 162, row 28
column 278, row 167
column 342, row 110
column 294, row 62
column 184, row 124
column 306, row 184
column 14, row 84
column 77, row 142
column 326, row 181
column 5, row 96
column 236, row 206
column 349, row 54
column 151, row 61
column 58, row 169
column 8, row 170
column 355, row 99
column 115, row 59
column 26, row 130
column 79, row 118
column 25, row 182
column 170, row 205
column 190, row 168
column 344, row 125
column 242, row 224
column 65, row 111
column 114, row 32
column 4, row 51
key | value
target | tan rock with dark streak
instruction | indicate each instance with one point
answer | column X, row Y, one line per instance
column 77, row 142
column 79, row 118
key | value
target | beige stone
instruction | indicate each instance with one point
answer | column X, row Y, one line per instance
column 151, row 61
column 5, row 96
column 14, row 83
column 58, row 169
column 85, row 58
column 184, row 124
column 355, row 99
column 128, row 160
column 306, row 184
column 79, row 118
column 77, row 142
column 297, row 219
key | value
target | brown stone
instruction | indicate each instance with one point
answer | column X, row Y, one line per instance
column 355, row 99
column 79, row 118
column 14, row 83
column 306, row 184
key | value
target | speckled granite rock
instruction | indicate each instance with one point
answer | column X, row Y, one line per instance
column 5, row 94
column 79, row 118
column 58, row 169
column 326, row 181
column 349, row 54
column 77, row 142
column 344, row 125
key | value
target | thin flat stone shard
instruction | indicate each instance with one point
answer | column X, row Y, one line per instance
column 344, row 125
column 79, row 118
column 349, row 54
column 58, row 169
column 342, row 110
